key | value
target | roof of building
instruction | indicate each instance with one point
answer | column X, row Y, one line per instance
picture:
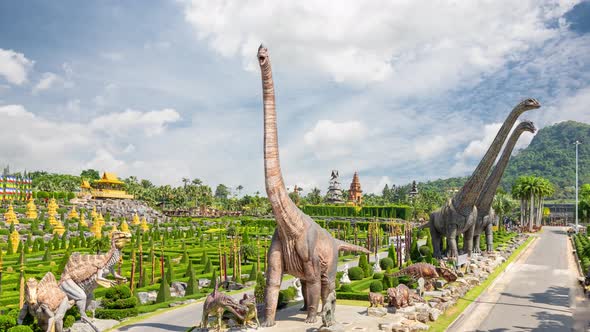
column 85, row 184
column 109, row 178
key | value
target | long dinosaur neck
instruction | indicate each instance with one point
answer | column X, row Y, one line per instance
column 484, row 202
column 287, row 215
column 466, row 198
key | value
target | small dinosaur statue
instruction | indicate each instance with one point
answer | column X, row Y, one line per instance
column 486, row 216
column 376, row 299
column 45, row 301
column 217, row 302
column 401, row 296
column 83, row 273
column 249, row 302
column 426, row 271
column 459, row 214
column 299, row 247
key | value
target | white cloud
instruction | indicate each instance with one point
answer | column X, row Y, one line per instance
column 129, row 122
column 46, row 81
column 416, row 46
column 329, row 139
column 73, row 106
column 14, row 66
column 112, row 56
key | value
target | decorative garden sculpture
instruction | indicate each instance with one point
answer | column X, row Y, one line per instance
column 375, row 299
column 486, row 216
column 83, row 273
column 426, row 271
column 217, row 302
column 299, row 246
column 45, row 301
column 459, row 213
column 298, row 288
column 345, row 279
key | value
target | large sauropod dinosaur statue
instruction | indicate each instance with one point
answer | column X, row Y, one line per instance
column 459, row 213
column 299, row 246
column 486, row 215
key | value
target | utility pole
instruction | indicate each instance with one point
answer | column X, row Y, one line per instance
column 577, row 143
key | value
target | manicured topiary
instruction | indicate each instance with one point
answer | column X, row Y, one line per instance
column 259, row 289
column 164, row 292
column 22, row 328
column 208, row 267
column 378, row 276
column 192, row 286
column 252, row 275
column 356, row 273
column 169, row 270
column 376, row 286
column 188, row 269
column 346, row 288
column 364, row 265
column 386, row 263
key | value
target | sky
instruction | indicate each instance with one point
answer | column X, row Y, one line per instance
column 394, row 90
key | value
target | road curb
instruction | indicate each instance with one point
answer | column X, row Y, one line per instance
column 471, row 306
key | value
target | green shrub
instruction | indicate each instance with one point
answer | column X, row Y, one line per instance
column 20, row 328
column 346, row 288
column 356, row 273
column 129, row 302
column 6, row 322
column 259, row 289
column 426, row 251
column 364, row 264
column 69, row 321
column 118, row 292
column 117, row 314
column 386, row 263
column 164, row 292
column 376, row 286
column 253, row 272
column 378, row 276
column 352, row 296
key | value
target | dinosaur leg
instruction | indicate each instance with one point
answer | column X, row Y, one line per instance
column 452, row 241
column 468, row 240
column 274, row 274
column 328, row 287
column 476, row 244
column 77, row 294
column 205, row 318
column 436, row 241
column 22, row 314
column 303, row 291
column 313, row 289
column 489, row 237
column 60, row 313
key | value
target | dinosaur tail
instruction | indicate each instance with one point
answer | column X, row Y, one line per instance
column 351, row 247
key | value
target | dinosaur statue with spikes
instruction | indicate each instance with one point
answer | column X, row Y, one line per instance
column 486, row 216
column 84, row 272
column 459, row 214
column 299, row 246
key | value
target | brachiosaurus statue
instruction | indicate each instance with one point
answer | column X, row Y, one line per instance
column 299, row 246
column 486, row 216
column 459, row 213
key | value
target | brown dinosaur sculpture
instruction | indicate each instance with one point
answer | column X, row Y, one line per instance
column 459, row 213
column 217, row 302
column 426, row 271
column 486, row 216
column 376, row 299
column 401, row 296
column 45, row 301
column 299, row 246
column 83, row 273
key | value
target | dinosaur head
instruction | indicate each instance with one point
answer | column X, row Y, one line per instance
column 527, row 126
column 528, row 104
column 262, row 55
column 248, row 300
column 120, row 239
column 31, row 291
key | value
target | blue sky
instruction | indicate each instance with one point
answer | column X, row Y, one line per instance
column 394, row 90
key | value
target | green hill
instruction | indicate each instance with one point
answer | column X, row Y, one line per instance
column 551, row 155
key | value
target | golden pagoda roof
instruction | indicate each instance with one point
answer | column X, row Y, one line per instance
column 109, row 178
column 85, row 184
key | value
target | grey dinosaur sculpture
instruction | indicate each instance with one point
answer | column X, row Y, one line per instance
column 459, row 213
column 486, row 216
column 299, row 246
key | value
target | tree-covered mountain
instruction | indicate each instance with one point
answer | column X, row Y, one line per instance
column 550, row 155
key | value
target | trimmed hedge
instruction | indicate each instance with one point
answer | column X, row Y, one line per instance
column 117, row 314
column 376, row 286
column 393, row 211
column 352, row 296
column 120, row 303
column 356, row 273
column 20, row 328
column 386, row 263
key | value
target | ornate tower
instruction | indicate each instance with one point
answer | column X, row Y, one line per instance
column 334, row 194
column 355, row 193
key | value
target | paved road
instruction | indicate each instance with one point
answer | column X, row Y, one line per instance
column 536, row 293
column 182, row 318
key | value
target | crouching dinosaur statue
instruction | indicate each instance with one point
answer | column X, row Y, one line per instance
column 83, row 273
column 401, row 296
column 426, row 271
column 45, row 301
column 299, row 246
column 486, row 216
column 459, row 213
